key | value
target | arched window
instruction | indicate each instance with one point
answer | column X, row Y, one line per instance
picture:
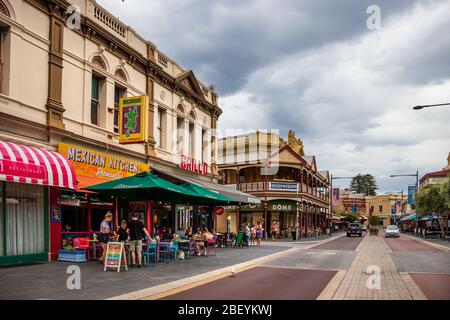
column 98, row 61
column 192, row 115
column 180, row 108
column 4, row 9
column 120, row 74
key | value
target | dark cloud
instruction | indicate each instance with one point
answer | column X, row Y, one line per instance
column 313, row 66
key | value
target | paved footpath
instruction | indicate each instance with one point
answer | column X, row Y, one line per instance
column 353, row 284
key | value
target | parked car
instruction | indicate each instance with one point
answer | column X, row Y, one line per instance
column 392, row 232
column 354, row 229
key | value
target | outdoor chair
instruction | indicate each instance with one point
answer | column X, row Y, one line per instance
column 150, row 254
column 167, row 252
column 82, row 244
column 185, row 246
column 211, row 247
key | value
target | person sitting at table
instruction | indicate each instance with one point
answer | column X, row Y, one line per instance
column 67, row 228
column 168, row 236
column 189, row 233
column 202, row 241
column 136, row 231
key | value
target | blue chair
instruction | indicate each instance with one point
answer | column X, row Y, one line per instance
column 164, row 252
column 150, row 254
column 173, row 251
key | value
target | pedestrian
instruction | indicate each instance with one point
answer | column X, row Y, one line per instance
column 252, row 235
column 136, row 231
column 259, row 232
column 247, row 234
column 105, row 234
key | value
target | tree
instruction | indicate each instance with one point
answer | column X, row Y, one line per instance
column 351, row 217
column 435, row 199
column 364, row 184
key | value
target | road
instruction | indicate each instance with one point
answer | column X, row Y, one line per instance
column 339, row 269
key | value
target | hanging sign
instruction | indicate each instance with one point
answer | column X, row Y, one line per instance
column 133, row 114
column 115, row 254
column 219, row 210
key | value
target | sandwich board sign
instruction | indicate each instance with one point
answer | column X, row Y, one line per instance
column 115, row 253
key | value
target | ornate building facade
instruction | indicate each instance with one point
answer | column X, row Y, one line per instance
column 64, row 67
column 289, row 184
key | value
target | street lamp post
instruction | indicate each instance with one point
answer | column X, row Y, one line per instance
column 417, row 186
column 430, row 106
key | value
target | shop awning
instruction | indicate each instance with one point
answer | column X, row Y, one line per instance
column 429, row 217
column 410, row 217
column 25, row 164
column 207, row 196
column 237, row 196
column 143, row 186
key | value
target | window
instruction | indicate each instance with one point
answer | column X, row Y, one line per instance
column 5, row 38
column 119, row 92
column 191, row 140
column 180, row 134
column 95, row 96
column 380, row 208
column 204, row 145
column 160, row 128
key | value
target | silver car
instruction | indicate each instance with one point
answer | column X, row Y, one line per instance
column 392, row 232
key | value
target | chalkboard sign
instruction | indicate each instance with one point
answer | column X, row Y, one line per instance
column 239, row 239
column 115, row 253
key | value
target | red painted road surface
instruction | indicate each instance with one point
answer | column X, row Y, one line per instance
column 434, row 286
column 262, row 283
column 344, row 243
column 407, row 244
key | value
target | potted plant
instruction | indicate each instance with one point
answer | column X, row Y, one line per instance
column 374, row 223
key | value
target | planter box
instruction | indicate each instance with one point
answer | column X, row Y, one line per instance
column 72, row 256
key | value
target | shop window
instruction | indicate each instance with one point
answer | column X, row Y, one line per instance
column 119, row 92
column 25, row 219
column 97, row 216
column 74, row 218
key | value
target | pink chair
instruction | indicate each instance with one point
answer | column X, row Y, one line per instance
column 211, row 246
column 82, row 244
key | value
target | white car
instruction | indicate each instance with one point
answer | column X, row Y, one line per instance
column 392, row 232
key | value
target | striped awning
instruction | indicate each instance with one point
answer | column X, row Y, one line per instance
column 26, row 164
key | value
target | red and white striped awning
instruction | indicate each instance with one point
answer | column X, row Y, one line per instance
column 24, row 164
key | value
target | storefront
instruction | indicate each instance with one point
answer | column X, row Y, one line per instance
column 80, row 213
column 200, row 215
column 28, row 175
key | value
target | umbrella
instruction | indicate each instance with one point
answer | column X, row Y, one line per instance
column 207, row 196
column 143, row 186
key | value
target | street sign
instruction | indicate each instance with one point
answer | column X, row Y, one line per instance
column 411, row 194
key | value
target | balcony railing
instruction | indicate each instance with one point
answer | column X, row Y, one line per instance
column 276, row 186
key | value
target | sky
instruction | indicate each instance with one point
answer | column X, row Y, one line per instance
column 315, row 67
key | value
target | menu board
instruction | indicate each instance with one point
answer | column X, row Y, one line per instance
column 115, row 253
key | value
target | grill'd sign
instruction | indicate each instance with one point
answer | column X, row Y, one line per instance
column 190, row 164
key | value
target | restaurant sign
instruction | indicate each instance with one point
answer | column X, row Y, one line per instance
column 190, row 164
column 282, row 205
column 133, row 114
column 283, row 186
column 90, row 163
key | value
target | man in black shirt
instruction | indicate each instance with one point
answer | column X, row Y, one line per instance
column 136, row 231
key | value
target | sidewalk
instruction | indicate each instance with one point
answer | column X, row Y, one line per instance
column 305, row 240
column 352, row 285
column 48, row 281
column 444, row 244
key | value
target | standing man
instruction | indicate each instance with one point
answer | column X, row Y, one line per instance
column 136, row 231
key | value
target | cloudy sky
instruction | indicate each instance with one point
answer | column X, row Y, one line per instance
column 314, row 66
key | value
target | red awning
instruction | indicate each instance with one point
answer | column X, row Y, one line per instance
column 24, row 164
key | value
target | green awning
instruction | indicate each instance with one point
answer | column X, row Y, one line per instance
column 207, row 196
column 143, row 186
column 410, row 217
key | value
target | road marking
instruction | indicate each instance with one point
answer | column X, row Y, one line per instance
column 332, row 286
